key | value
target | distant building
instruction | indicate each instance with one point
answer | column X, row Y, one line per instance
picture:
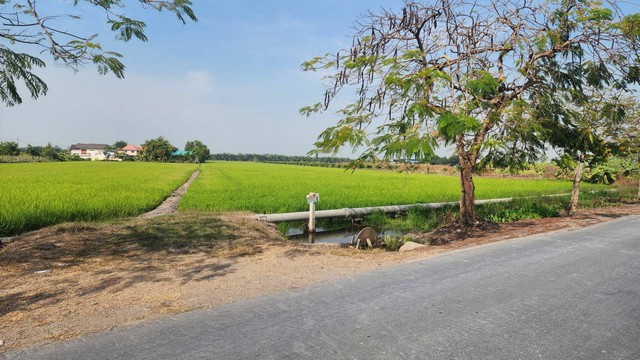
column 181, row 153
column 131, row 150
column 89, row 151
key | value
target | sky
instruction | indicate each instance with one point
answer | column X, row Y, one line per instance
column 231, row 80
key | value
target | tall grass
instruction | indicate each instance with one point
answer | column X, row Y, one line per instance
column 270, row 188
column 35, row 195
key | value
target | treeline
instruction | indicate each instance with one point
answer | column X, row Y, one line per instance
column 274, row 158
column 11, row 152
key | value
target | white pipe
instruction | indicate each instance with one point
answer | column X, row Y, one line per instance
column 349, row 213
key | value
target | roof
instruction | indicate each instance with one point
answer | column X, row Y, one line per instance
column 181, row 152
column 130, row 147
column 88, row 146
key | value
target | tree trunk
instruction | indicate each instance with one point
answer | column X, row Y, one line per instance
column 575, row 192
column 639, row 188
column 467, row 204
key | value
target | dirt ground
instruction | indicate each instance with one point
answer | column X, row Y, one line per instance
column 67, row 281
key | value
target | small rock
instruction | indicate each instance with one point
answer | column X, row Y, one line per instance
column 1, row 342
column 410, row 245
column 42, row 271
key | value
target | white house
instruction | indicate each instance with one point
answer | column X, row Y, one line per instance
column 89, row 151
column 131, row 150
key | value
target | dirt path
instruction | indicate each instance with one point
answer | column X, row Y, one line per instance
column 72, row 280
column 170, row 204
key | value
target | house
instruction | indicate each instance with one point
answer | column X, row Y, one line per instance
column 131, row 150
column 89, row 151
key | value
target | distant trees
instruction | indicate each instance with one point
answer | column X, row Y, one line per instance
column 275, row 158
column 158, row 149
column 33, row 150
column 9, row 148
column 199, row 151
column 119, row 144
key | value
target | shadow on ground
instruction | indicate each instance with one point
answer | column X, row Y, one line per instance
column 117, row 255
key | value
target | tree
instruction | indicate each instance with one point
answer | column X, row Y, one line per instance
column 586, row 127
column 199, row 151
column 33, row 150
column 119, row 144
column 467, row 73
column 9, row 148
column 158, row 149
column 25, row 26
column 630, row 142
column 51, row 152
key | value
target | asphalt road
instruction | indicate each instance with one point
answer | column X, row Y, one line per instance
column 565, row 295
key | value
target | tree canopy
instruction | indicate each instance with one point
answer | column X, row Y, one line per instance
column 199, row 151
column 24, row 26
column 158, row 149
column 471, row 74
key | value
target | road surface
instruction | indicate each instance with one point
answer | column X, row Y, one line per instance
column 564, row 295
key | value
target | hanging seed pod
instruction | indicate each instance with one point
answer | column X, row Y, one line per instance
column 338, row 60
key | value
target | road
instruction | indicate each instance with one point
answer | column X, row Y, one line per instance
column 564, row 295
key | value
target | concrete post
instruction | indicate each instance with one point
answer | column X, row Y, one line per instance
column 312, row 198
column 312, row 217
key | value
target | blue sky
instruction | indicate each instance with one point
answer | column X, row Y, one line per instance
column 231, row 80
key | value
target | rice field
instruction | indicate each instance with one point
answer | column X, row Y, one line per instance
column 35, row 195
column 269, row 188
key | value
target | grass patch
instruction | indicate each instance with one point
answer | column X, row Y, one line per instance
column 416, row 219
column 520, row 209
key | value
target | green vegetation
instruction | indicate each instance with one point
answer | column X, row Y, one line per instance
column 35, row 195
column 416, row 219
column 270, row 188
column 394, row 243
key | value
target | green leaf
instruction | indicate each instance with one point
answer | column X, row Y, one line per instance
column 484, row 85
column 451, row 125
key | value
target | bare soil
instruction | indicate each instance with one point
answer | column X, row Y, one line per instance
column 72, row 280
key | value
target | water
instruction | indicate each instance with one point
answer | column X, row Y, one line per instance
column 340, row 236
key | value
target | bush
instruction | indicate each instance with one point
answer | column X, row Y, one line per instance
column 394, row 243
column 522, row 209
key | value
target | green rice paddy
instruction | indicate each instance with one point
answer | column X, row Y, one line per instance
column 36, row 195
column 269, row 188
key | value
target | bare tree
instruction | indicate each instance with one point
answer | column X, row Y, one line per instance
column 467, row 73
